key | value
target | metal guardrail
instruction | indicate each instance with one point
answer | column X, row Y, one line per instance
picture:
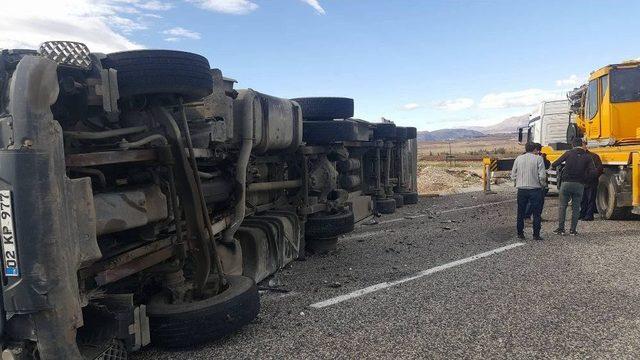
column 492, row 165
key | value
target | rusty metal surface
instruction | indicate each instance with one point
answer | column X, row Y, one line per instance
column 134, row 266
column 110, row 157
column 274, row 185
column 188, row 193
column 125, row 257
column 119, row 211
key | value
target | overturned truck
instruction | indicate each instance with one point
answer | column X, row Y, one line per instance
column 142, row 197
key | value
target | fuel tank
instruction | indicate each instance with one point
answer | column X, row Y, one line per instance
column 277, row 122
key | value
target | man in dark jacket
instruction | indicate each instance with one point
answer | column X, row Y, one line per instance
column 578, row 169
column 588, row 206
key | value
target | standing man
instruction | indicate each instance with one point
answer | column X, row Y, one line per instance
column 588, row 206
column 530, row 176
column 578, row 167
column 545, row 189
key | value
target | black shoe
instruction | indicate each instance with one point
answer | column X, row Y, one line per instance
column 587, row 219
column 537, row 237
column 573, row 233
column 559, row 231
column 521, row 236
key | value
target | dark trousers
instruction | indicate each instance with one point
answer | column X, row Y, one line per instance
column 588, row 205
column 533, row 198
column 529, row 211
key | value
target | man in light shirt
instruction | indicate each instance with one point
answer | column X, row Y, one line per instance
column 530, row 177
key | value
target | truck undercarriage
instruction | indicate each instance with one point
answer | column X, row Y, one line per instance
column 142, row 196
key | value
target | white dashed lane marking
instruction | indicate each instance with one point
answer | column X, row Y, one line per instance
column 433, row 270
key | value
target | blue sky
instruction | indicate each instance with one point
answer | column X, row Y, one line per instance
column 429, row 64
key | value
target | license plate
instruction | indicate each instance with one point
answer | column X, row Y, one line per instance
column 9, row 253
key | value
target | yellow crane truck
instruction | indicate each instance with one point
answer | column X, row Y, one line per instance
column 607, row 111
column 607, row 116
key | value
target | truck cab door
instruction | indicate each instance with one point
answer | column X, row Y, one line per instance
column 592, row 113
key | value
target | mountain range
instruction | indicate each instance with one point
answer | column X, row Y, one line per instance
column 448, row 134
column 509, row 125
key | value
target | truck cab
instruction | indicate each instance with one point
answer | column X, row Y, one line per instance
column 548, row 125
column 611, row 105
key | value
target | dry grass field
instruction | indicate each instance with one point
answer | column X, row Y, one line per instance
column 500, row 145
column 443, row 172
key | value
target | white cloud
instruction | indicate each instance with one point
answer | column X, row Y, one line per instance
column 236, row 7
column 101, row 24
column 522, row 98
column 126, row 25
column 410, row 106
column 179, row 33
column 316, row 5
column 455, row 104
column 155, row 5
column 570, row 82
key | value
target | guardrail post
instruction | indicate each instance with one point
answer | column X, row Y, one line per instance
column 486, row 175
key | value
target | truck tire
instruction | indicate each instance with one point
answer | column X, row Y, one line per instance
column 325, row 132
column 193, row 323
column 410, row 198
column 412, row 133
column 399, row 199
column 384, row 131
column 327, row 226
column 385, row 206
column 325, row 108
column 606, row 199
column 401, row 133
column 147, row 72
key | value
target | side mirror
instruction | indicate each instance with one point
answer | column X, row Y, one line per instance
column 520, row 135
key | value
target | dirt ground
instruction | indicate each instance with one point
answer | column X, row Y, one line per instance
column 441, row 177
column 450, row 167
column 498, row 145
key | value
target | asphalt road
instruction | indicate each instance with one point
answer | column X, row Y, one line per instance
column 426, row 295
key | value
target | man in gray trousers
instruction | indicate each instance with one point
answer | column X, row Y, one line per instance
column 578, row 169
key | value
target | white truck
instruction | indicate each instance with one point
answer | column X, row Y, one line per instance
column 548, row 125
